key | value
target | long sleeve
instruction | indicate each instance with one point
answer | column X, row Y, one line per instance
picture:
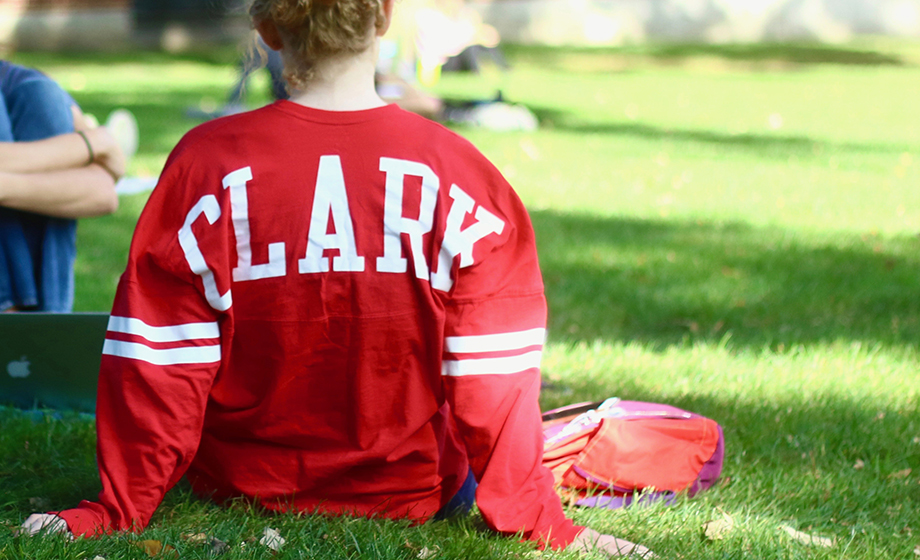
column 160, row 356
column 495, row 328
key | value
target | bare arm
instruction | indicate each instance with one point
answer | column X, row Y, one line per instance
column 59, row 152
column 67, row 151
column 69, row 193
column 590, row 540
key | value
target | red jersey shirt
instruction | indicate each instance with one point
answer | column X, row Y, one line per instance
column 327, row 311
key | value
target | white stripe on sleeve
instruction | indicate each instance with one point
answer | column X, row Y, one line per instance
column 173, row 333
column 487, row 366
column 494, row 342
column 162, row 357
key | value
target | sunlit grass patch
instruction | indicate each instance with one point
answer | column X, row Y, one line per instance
column 729, row 229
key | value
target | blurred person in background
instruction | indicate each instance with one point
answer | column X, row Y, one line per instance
column 54, row 168
column 256, row 55
column 393, row 82
column 451, row 37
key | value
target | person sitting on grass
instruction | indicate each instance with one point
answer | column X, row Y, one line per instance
column 50, row 175
column 331, row 305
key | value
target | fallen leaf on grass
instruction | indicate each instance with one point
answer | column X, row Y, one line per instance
column 917, row 550
column 272, row 539
column 154, row 548
column 717, row 529
column 900, row 474
column 860, row 464
column 195, row 538
column 427, row 553
column 424, row 553
column 218, row 546
column 807, row 539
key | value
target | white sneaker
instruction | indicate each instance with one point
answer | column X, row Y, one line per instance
column 123, row 126
column 503, row 117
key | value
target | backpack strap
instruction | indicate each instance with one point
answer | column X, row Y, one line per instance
column 571, row 410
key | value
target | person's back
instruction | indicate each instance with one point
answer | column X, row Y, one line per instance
column 359, row 281
column 330, row 304
column 334, row 357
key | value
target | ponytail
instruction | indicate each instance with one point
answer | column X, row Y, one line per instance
column 315, row 29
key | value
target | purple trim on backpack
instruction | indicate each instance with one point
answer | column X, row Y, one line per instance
column 616, row 502
column 633, row 410
column 710, row 472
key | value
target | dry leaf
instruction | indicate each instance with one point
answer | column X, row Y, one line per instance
column 197, row 538
column 917, row 550
column 717, row 529
column 154, row 548
column 900, row 474
column 426, row 553
column 807, row 539
column 218, row 546
column 272, row 539
column 859, row 464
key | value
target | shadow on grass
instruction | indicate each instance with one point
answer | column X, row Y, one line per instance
column 660, row 282
column 767, row 145
column 802, row 53
column 764, row 144
column 758, row 56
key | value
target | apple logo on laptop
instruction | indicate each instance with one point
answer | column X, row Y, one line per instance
column 18, row 368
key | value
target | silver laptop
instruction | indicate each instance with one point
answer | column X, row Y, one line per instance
column 51, row 359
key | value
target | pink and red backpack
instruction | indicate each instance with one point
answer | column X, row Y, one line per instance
column 613, row 453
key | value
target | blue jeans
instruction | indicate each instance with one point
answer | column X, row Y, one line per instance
column 36, row 252
column 462, row 502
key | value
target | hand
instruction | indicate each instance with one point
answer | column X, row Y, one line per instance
column 106, row 152
column 590, row 540
column 46, row 523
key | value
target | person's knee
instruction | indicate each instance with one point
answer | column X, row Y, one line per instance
column 38, row 109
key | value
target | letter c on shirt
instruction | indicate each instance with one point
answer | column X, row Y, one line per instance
column 208, row 206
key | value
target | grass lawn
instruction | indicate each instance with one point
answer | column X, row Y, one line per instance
column 733, row 230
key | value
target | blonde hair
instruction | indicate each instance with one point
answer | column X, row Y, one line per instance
column 315, row 29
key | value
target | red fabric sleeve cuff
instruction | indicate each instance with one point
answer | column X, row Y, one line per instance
column 83, row 521
column 560, row 537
